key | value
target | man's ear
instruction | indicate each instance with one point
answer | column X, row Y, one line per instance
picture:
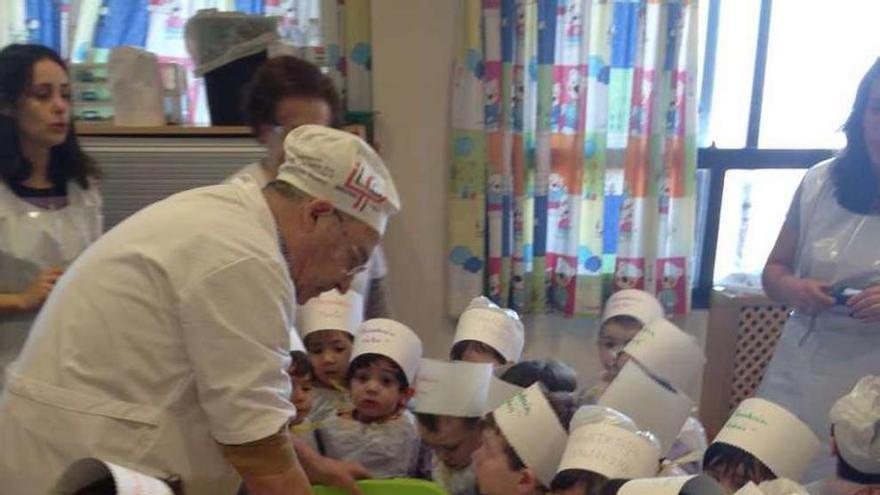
column 527, row 482
column 313, row 210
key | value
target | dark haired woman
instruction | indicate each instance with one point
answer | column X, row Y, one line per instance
column 50, row 207
column 826, row 267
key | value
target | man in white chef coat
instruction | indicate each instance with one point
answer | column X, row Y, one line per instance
column 163, row 348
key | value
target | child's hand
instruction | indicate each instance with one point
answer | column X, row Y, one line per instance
column 343, row 475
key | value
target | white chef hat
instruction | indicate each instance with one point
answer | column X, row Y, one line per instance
column 532, row 428
column 635, row 303
column 699, row 484
column 609, row 443
column 457, row 388
column 331, row 310
column 296, row 343
column 340, row 167
column 500, row 329
column 84, row 472
column 856, row 420
column 779, row 486
column 393, row 340
column 772, row 434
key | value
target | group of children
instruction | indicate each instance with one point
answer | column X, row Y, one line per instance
column 485, row 422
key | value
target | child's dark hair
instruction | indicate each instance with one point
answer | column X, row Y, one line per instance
column 107, row 486
column 431, row 422
column 727, row 459
column 563, row 404
column 308, row 338
column 554, row 375
column 565, row 480
column 627, row 321
column 367, row 360
column 458, row 350
column 611, row 487
column 300, row 365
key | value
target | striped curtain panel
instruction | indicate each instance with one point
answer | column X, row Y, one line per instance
column 574, row 153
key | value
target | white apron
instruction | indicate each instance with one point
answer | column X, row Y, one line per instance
column 33, row 239
column 818, row 360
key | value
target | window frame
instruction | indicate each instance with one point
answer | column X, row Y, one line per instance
column 717, row 161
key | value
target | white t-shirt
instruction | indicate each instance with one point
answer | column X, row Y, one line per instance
column 181, row 311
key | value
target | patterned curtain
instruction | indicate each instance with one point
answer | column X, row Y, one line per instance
column 574, row 153
column 332, row 33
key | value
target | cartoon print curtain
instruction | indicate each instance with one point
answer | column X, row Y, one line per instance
column 574, row 153
column 332, row 33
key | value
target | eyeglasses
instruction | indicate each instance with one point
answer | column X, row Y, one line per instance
column 360, row 260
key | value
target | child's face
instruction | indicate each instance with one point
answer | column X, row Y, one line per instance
column 474, row 354
column 376, row 392
column 732, row 479
column 454, row 441
column 301, row 396
column 494, row 475
column 329, row 351
column 613, row 337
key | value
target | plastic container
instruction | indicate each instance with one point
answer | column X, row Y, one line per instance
column 397, row 486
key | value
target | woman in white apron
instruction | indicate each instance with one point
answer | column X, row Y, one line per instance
column 50, row 208
column 830, row 242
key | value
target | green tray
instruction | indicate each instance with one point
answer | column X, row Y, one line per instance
column 397, row 486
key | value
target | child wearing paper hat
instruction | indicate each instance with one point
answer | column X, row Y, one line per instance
column 450, row 399
column 92, row 476
column 604, row 444
column 328, row 324
column 855, row 440
column 624, row 315
column 761, row 441
column 678, row 485
column 488, row 334
column 522, row 443
column 379, row 432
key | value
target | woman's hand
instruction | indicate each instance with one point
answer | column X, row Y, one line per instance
column 807, row 295
column 38, row 290
column 865, row 306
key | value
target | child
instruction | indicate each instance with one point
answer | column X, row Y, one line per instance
column 556, row 376
column 523, row 442
column 679, row 485
column 625, row 314
column 604, row 444
column 450, row 399
column 855, row 440
column 488, row 334
column 669, row 354
column 301, row 376
column 328, row 325
column 379, row 432
column 760, row 442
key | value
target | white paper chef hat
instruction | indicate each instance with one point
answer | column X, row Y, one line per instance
column 669, row 353
column 779, row 486
column 342, row 168
column 501, row 392
column 609, row 443
column 690, row 485
column 84, row 472
column 773, row 435
column 856, row 420
column 635, row 303
column 456, row 388
column 331, row 310
column 532, row 429
column 296, row 343
column 393, row 340
column 500, row 329
column 652, row 406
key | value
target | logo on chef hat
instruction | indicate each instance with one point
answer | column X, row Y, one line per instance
column 366, row 187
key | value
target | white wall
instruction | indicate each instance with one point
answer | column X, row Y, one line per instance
column 413, row 43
